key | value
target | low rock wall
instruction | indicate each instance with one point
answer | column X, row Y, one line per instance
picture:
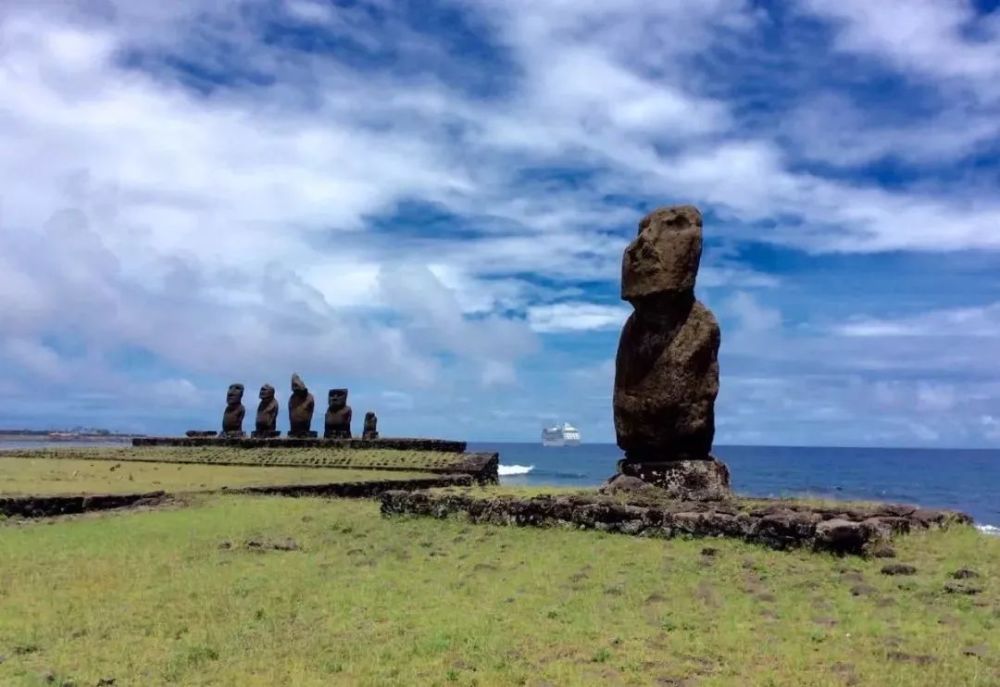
column 777, row 525
column 47, row 506
column 401, row 444
column 358, row 489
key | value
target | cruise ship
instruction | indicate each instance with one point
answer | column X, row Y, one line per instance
column 566, row 435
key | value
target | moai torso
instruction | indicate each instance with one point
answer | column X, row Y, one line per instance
column 371, row 426
column 232, row 418
column 300, row 409
column 267, row 413
column 337, row 423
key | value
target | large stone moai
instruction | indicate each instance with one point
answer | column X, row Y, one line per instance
column 300, row 410
column 267, row 414
column 667, row 369
column 232, row 418
column 337, row 423
column 371, row 426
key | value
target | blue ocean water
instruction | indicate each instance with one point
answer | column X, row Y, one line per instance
column 965, row 480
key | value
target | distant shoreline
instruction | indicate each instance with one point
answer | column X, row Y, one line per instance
column 66, row 436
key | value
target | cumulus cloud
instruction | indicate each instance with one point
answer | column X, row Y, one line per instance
column 195, row 192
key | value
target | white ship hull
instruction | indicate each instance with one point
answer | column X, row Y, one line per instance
column 566, row 435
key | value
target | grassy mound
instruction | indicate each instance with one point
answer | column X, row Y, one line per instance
column 43, row 477
column 273, row 591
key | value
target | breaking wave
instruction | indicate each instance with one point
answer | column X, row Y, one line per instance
column 509, row 470
column 991, row 530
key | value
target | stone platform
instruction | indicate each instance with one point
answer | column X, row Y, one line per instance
column 400, row 444
column 842, row 529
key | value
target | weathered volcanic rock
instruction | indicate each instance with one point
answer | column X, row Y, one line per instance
column 370, row 430
column 688, row 480
column 337, row 422
column 232, row 418
column 267, row 413
column 301, row 405
column 666, row 370
column 667, row 367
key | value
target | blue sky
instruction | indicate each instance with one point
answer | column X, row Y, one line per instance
column 428, row 203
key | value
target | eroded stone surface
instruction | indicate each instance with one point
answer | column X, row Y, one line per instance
column 371, row 426
column 267, row 414
column 337, row 423
column 232, row 417
column 666, row 369
column 682, row 479
column 301, row 406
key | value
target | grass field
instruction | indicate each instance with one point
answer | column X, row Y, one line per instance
column 174, row 596
column 306, row 457
column 41, row 476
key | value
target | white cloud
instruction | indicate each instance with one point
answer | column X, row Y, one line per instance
column 981, row 321
column 223, row 218
column 576, row 317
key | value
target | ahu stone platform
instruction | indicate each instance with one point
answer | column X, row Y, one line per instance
column 843, row 529
column 397, row 444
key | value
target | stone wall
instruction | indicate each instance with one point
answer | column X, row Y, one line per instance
column 46, row 506
column 775, row 524
column 358, row 489
column 400, row 444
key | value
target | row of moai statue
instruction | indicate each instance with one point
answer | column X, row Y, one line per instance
column 301, row 405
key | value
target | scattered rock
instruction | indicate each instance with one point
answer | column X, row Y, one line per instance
column 882, row 549
column 979, row 651
column 899, row 569
column 225, row 545
column 916, row 659
column 959, row 588
column 287, row 544
column 840, row 536
column 964, row 574
column 709, row 551
column 863, row 590
column 106, row 682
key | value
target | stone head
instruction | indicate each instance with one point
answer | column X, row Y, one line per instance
column 298, row 386
column 663, row 259
column 266, row 392
column 235, row 394
column 337, row 398
column 369, row 419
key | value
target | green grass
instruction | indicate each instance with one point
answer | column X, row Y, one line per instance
column 305, row 457
column 41, row 477
column 150, row 598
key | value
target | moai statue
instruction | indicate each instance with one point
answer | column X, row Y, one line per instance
column 267, row 414
column 300, row 410
column 232, row 418
column 667, row 368
column 371, row 426
column 338, row 416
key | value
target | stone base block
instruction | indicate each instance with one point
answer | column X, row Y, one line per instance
column 200, row 434
column 689, row 480
column 232, row 435
column 337, row 434
column 269, row 434
column 303, row 435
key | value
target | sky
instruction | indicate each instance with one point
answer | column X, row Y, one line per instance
column 428, row 203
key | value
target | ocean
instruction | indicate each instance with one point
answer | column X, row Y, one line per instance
column 965, row 480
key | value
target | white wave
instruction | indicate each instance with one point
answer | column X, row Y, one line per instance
column 508, row 470
column 991, row 530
